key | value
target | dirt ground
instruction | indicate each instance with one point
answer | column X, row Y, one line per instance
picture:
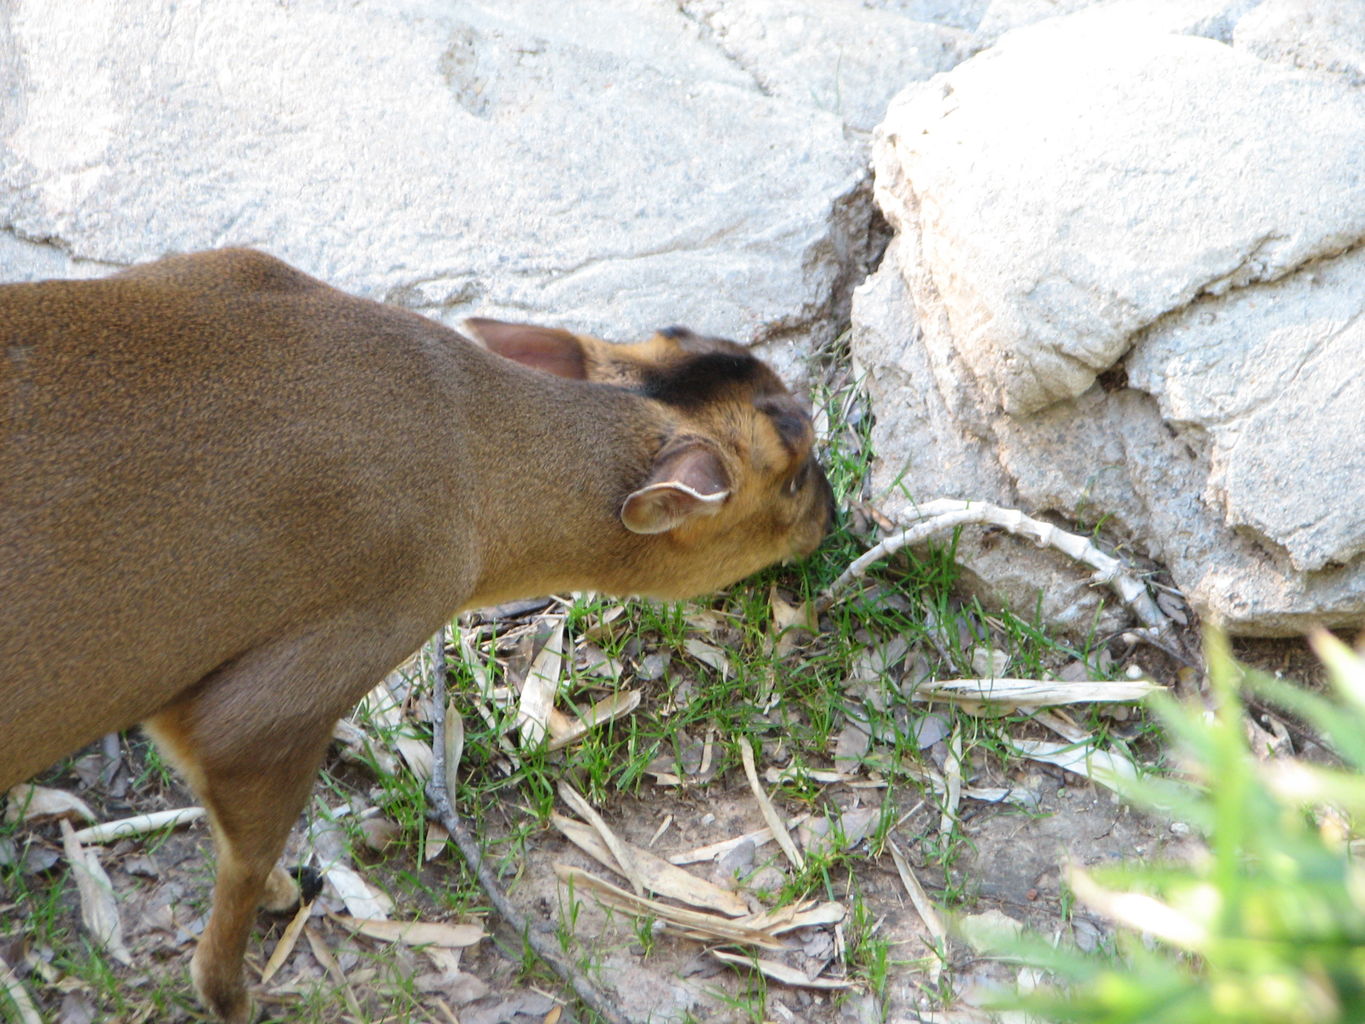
column 1008, row 861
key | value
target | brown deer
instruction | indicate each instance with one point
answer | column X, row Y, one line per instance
column 232, row 498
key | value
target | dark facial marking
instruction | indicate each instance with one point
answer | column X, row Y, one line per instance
column 788, row 418
column 698, row 379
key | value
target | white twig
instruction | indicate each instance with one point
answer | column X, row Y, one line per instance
column 935, row 518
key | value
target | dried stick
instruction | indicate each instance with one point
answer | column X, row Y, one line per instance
column 934, row 518
column 443, row 805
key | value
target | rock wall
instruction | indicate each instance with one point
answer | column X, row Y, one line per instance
column 1128, row 287
column 1125, row 285
column 618, row 168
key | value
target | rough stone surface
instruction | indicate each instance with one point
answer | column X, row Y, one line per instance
column 1089, row 197
column 963, row 14
column 1059, row 184
column 1271, row 378
column 1320, row 35
column 1083, row 202
column 1213, row 19
column 934, row 440
column 846, row 60
column 614, row 171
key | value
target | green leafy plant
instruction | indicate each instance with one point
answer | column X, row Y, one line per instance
column 1267, row 924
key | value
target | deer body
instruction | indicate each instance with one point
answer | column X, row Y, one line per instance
column 232, row 498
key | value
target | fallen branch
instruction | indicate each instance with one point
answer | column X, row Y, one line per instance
column 443, row 806
column 140, row 824
column 935, row 518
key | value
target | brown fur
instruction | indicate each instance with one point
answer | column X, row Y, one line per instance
column 232, row 498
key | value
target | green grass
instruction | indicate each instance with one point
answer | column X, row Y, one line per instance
column 1266, row 925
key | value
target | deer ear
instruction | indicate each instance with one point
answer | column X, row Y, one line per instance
column 686, row 481
column 547, row 349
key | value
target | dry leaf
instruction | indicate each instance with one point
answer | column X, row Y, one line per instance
column 1140, row 912
column 30, row 803
column 709, row 654
column 454, row 748
column 989, row 662
column 381, row 705
column 601, row 631
column 608, row 709
column 987, row 931
column 777, row 776
column 287, row 942
column 625, row 860
column 929, row 729
column 797, row 915
column 658, row 832
column 1102, row 766
column 379, row 833
column 357, row 748
column 791, row 622
column 417, row 755
column 787, row 615
column 1063, row 725
column 541, row 687
column 693, row 923
column 333, row 969
column 437, row 836
column 1029, row 693
column 1173, row 607
column 78, row 1008
column 99, row 908
column 657, row 874
column 769, row 812
column 361, row 900
column 591, row 660
column 850, row 747
column 17, row 996
column 705, row 620
column 923, row 905
column 446, row 959
column 818, row 834
column 414, row 933
column 781, row 972
column 873, row 666
column 456, row 985
column 715, row 851
column 952, row 777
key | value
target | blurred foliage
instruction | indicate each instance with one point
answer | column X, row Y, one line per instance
column 1266, row 924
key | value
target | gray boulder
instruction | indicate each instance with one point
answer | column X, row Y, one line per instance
column 611, row 170
column 1319, row 35
column 1124, row 290
column 849, row 61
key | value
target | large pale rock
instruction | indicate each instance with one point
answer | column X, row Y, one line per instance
column 1213, row 19
column 846, row 59
column 1062, row 180
column 1321, row 35
column 1271, row 380
column 934, row 439
column 612, row 170
column 963, row 14
column 1086, row 200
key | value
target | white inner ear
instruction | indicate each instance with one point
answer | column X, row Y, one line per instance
column 709, row 499
column 656, row 509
